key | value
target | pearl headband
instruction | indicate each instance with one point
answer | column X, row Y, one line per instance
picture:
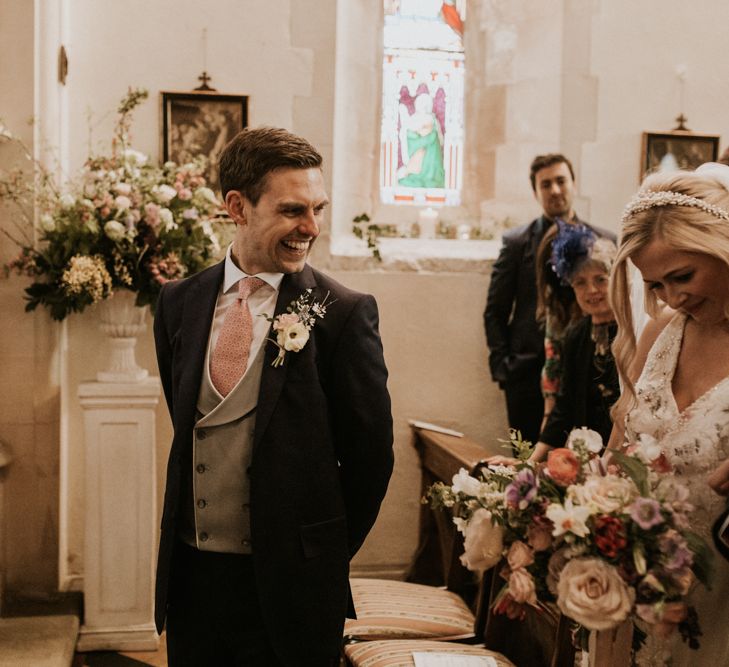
column 651, row 199
column 647, row 199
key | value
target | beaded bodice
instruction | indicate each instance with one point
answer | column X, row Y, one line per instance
column 694, row 440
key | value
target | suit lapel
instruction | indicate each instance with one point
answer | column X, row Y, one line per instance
column 197, row 318
column 272, row 379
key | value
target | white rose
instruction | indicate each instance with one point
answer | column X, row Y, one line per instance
column 591, row 592
column 483, row 542
column 293, row 338
column 47, row 223
column 122, row 188
column 464, row 483
column 122, row 203
column 591, row 440
column 67, row 200
column 606, row 494
column 166, row 193
column 115, row 230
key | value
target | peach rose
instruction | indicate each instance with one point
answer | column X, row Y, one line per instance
column 483, row 542
column 563, row 466
column 521, row 587
column 592, row 592
column 520, row 555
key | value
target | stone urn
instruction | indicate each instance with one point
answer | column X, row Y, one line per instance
column 122, row 322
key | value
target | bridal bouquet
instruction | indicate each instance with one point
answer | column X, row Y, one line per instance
column 122, row 222
column 604, row 542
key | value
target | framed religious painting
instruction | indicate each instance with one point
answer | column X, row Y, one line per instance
column 200, row 123
column 668, row 151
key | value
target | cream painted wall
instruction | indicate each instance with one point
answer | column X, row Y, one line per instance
column 583, row 77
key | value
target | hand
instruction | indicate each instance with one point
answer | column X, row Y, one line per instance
column 501, row 461
column 719, row 479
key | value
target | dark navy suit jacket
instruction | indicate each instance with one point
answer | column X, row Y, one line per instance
column 322, row 453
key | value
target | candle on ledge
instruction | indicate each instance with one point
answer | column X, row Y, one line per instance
column 427, row 220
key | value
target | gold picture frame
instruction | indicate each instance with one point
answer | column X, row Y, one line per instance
column 667, row 151
column 200, row 123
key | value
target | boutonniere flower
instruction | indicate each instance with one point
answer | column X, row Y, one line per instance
column 292, row 327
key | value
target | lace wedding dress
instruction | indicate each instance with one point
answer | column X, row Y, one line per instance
column 695, row 441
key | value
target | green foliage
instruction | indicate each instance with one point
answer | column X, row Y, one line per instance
column 364, row 230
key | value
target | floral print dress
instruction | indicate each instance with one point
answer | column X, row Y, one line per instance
column 694, row 441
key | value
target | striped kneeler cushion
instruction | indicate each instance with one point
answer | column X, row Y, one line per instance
column 399, row 610
column 399, row 652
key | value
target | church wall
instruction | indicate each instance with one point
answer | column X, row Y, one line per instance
column 584, row 78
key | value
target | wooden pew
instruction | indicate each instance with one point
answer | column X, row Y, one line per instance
column 436, row 561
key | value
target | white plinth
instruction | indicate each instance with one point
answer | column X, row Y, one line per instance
column 120, row 524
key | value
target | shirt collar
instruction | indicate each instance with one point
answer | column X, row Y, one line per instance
column 233, row 274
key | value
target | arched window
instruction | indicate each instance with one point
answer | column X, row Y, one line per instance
column 421, row 154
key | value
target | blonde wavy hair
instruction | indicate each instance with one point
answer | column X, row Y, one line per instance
column 683, row 228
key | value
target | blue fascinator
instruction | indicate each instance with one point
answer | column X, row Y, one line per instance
column 570, row 248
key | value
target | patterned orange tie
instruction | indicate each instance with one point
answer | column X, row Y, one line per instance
column 230, row 356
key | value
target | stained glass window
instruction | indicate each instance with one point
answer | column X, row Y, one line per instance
column 421, row 157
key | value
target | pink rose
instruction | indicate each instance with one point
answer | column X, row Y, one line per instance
column 521, row 587
column 520, row 555
column 184, row 194
column 592, row 592
column 285, row 320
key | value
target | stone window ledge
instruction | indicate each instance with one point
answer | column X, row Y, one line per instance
column 438, row 255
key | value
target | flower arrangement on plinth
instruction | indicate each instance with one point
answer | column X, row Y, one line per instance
column 605, row 542
column 121, row 223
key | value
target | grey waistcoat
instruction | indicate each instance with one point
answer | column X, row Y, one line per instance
column 217, row 516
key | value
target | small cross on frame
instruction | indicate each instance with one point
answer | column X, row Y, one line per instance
column 204, row 78
column 681, row 120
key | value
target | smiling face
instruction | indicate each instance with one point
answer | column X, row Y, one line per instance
column 590, row 285
column 277, row 233
column 555, row 190
column 696, row 283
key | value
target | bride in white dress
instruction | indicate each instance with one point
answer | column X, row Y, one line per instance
column 676, row 377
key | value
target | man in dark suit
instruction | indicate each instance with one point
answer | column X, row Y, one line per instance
column 277, row 470
column 514, row 337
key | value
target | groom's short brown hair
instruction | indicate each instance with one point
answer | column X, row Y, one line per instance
column 248, row 159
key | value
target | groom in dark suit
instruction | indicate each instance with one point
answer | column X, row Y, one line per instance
column 277, row 470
